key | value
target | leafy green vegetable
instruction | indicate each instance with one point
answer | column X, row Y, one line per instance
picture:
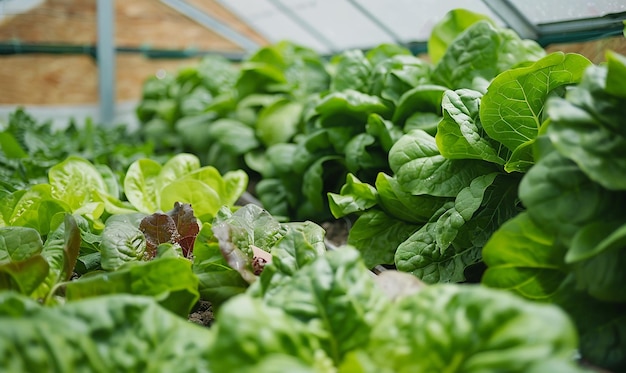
column 470, row 329
column 151, row 187
column 512, row 110
column 22, row 267
column 568, row 247
column 480, row 53
column 61, row 251
column 448, row 28
column 460, row 134
column 122, row 241
column 109, row 333
column 178, row 226
column 169, row 280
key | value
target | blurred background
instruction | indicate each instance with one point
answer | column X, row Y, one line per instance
column 50, row 64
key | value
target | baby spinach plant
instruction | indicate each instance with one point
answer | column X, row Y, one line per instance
column 448, row 190
column 567, row 247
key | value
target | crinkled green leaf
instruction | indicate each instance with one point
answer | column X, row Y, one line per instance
column 103, row 334
column 460, row 134
column 470, row 329
column 247, row 332
column 300, row 245
column 467, row 202
column 122, row 241
column 337, row 297
column 19, row 243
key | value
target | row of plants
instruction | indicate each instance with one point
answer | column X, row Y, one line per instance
column 92, row 282
column 492, row 164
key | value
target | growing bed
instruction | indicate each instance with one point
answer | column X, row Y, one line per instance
column 375, row 212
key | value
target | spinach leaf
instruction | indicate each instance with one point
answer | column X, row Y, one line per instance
column 448, row 28
column 512, row 110
column 460, row 134
column 480, row 53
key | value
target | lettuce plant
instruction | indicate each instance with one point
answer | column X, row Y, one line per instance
column 151, row 187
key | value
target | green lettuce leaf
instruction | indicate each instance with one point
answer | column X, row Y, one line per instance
column 61, row 251
column 22, row 267
column 455, row 328
column 351, row 71
column 377, row 236
column 169, row 280
column 248, row 332
column 122, row 241
column 103, row 334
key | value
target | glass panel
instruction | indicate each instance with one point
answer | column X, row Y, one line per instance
column 272, row 23
column 413, row 20
column 340, row 25
column 541, row 11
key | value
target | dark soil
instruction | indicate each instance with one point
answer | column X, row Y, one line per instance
column 202, row 313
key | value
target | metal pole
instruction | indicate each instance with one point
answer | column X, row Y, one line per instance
column 105, row 57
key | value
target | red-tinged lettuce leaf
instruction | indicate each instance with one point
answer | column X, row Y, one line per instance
column 158, row 228
column 236, row 258
column 187, row 226
column 218, row 282
column 177, row 226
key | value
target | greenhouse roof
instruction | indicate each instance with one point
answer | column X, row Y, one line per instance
column 329, row 26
